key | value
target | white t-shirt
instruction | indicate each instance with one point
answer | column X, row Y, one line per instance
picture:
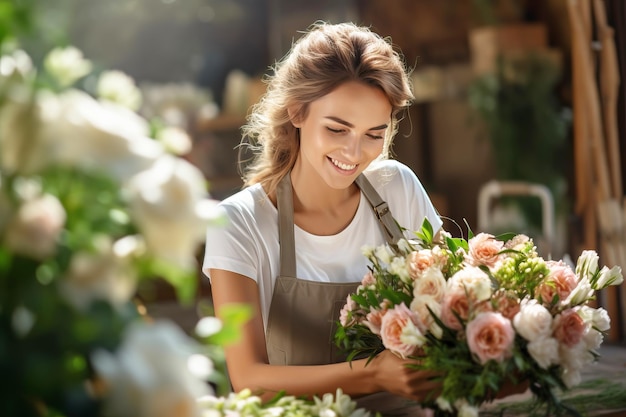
column 248, row 243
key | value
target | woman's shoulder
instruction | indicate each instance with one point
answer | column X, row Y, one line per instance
column 247, row 201
column 389, row 171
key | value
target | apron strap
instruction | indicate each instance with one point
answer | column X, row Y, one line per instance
column 284, row 201
column 390, row 227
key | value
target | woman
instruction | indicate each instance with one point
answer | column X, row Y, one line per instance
column 314, row 195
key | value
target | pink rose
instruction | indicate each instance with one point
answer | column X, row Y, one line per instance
column 569, row 328
column 455, row 301
column 506, row 304
column 418, row 262
column 484, row 249
column 561, row 281
column 345, row 316
column 368, row 279
column 393, row 325
column 374, row 318
column 490, row 336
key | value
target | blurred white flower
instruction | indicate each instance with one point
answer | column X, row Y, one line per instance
column 21, row 151
column 67, row 65
column 22, row 320
column 118, row 87
column 35, row 227
column 175, row 140
column 169, row 202
column 15, row 67
column 77, row 130
column 148, row 375
column 99, row 275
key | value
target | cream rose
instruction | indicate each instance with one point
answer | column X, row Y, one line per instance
column 35, row 228
column 431, row 283
column 425, row 320
column 170, row 206
column 418, row 262
column 490, row 336
column 151, row 373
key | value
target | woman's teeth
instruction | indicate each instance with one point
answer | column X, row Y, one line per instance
column 341, row 165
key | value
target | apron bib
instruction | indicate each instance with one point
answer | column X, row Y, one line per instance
column 303, row 314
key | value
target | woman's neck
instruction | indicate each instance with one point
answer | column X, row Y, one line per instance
column 320, row 209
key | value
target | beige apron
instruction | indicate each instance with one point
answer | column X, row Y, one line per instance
column 303, row 314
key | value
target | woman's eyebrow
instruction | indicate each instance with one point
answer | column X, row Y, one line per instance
column 348, row 124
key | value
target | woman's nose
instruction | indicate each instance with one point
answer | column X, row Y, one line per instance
column 352, row 147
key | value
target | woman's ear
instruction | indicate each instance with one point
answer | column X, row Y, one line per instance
column 294, row 116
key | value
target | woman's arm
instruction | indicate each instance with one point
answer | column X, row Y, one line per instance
column 248, row 365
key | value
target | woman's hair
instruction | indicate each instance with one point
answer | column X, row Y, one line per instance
column 325, row 57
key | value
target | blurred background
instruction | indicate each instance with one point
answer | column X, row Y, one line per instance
column 501, row 133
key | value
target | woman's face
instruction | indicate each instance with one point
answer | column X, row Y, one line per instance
column 343, row 132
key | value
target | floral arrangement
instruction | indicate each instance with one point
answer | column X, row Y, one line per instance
column 245, row 403
column 482, row 313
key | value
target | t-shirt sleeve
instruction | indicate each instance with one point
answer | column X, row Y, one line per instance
column 417, row 201
column 231, row 245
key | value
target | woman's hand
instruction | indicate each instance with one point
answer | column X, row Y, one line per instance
column 393, row 375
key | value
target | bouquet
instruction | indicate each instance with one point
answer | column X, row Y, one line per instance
column 482, row 313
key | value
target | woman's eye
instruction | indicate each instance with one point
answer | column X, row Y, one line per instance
column 377, row 137
column 330, row 129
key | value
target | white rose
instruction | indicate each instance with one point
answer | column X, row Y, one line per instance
column 533, row 321
column 118, row 87
column 67, row 65
column 77, row 130
column 545, row 351
column 35, row 228
column 170, row 206
column 104, row 274
column 405, row 246
column 473, row 280
column 593, row 339
column 575, row 358
column 150, row 375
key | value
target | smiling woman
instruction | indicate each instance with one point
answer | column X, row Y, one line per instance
column 320, row 188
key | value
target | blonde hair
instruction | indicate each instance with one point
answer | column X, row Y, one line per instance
column 326, row 56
